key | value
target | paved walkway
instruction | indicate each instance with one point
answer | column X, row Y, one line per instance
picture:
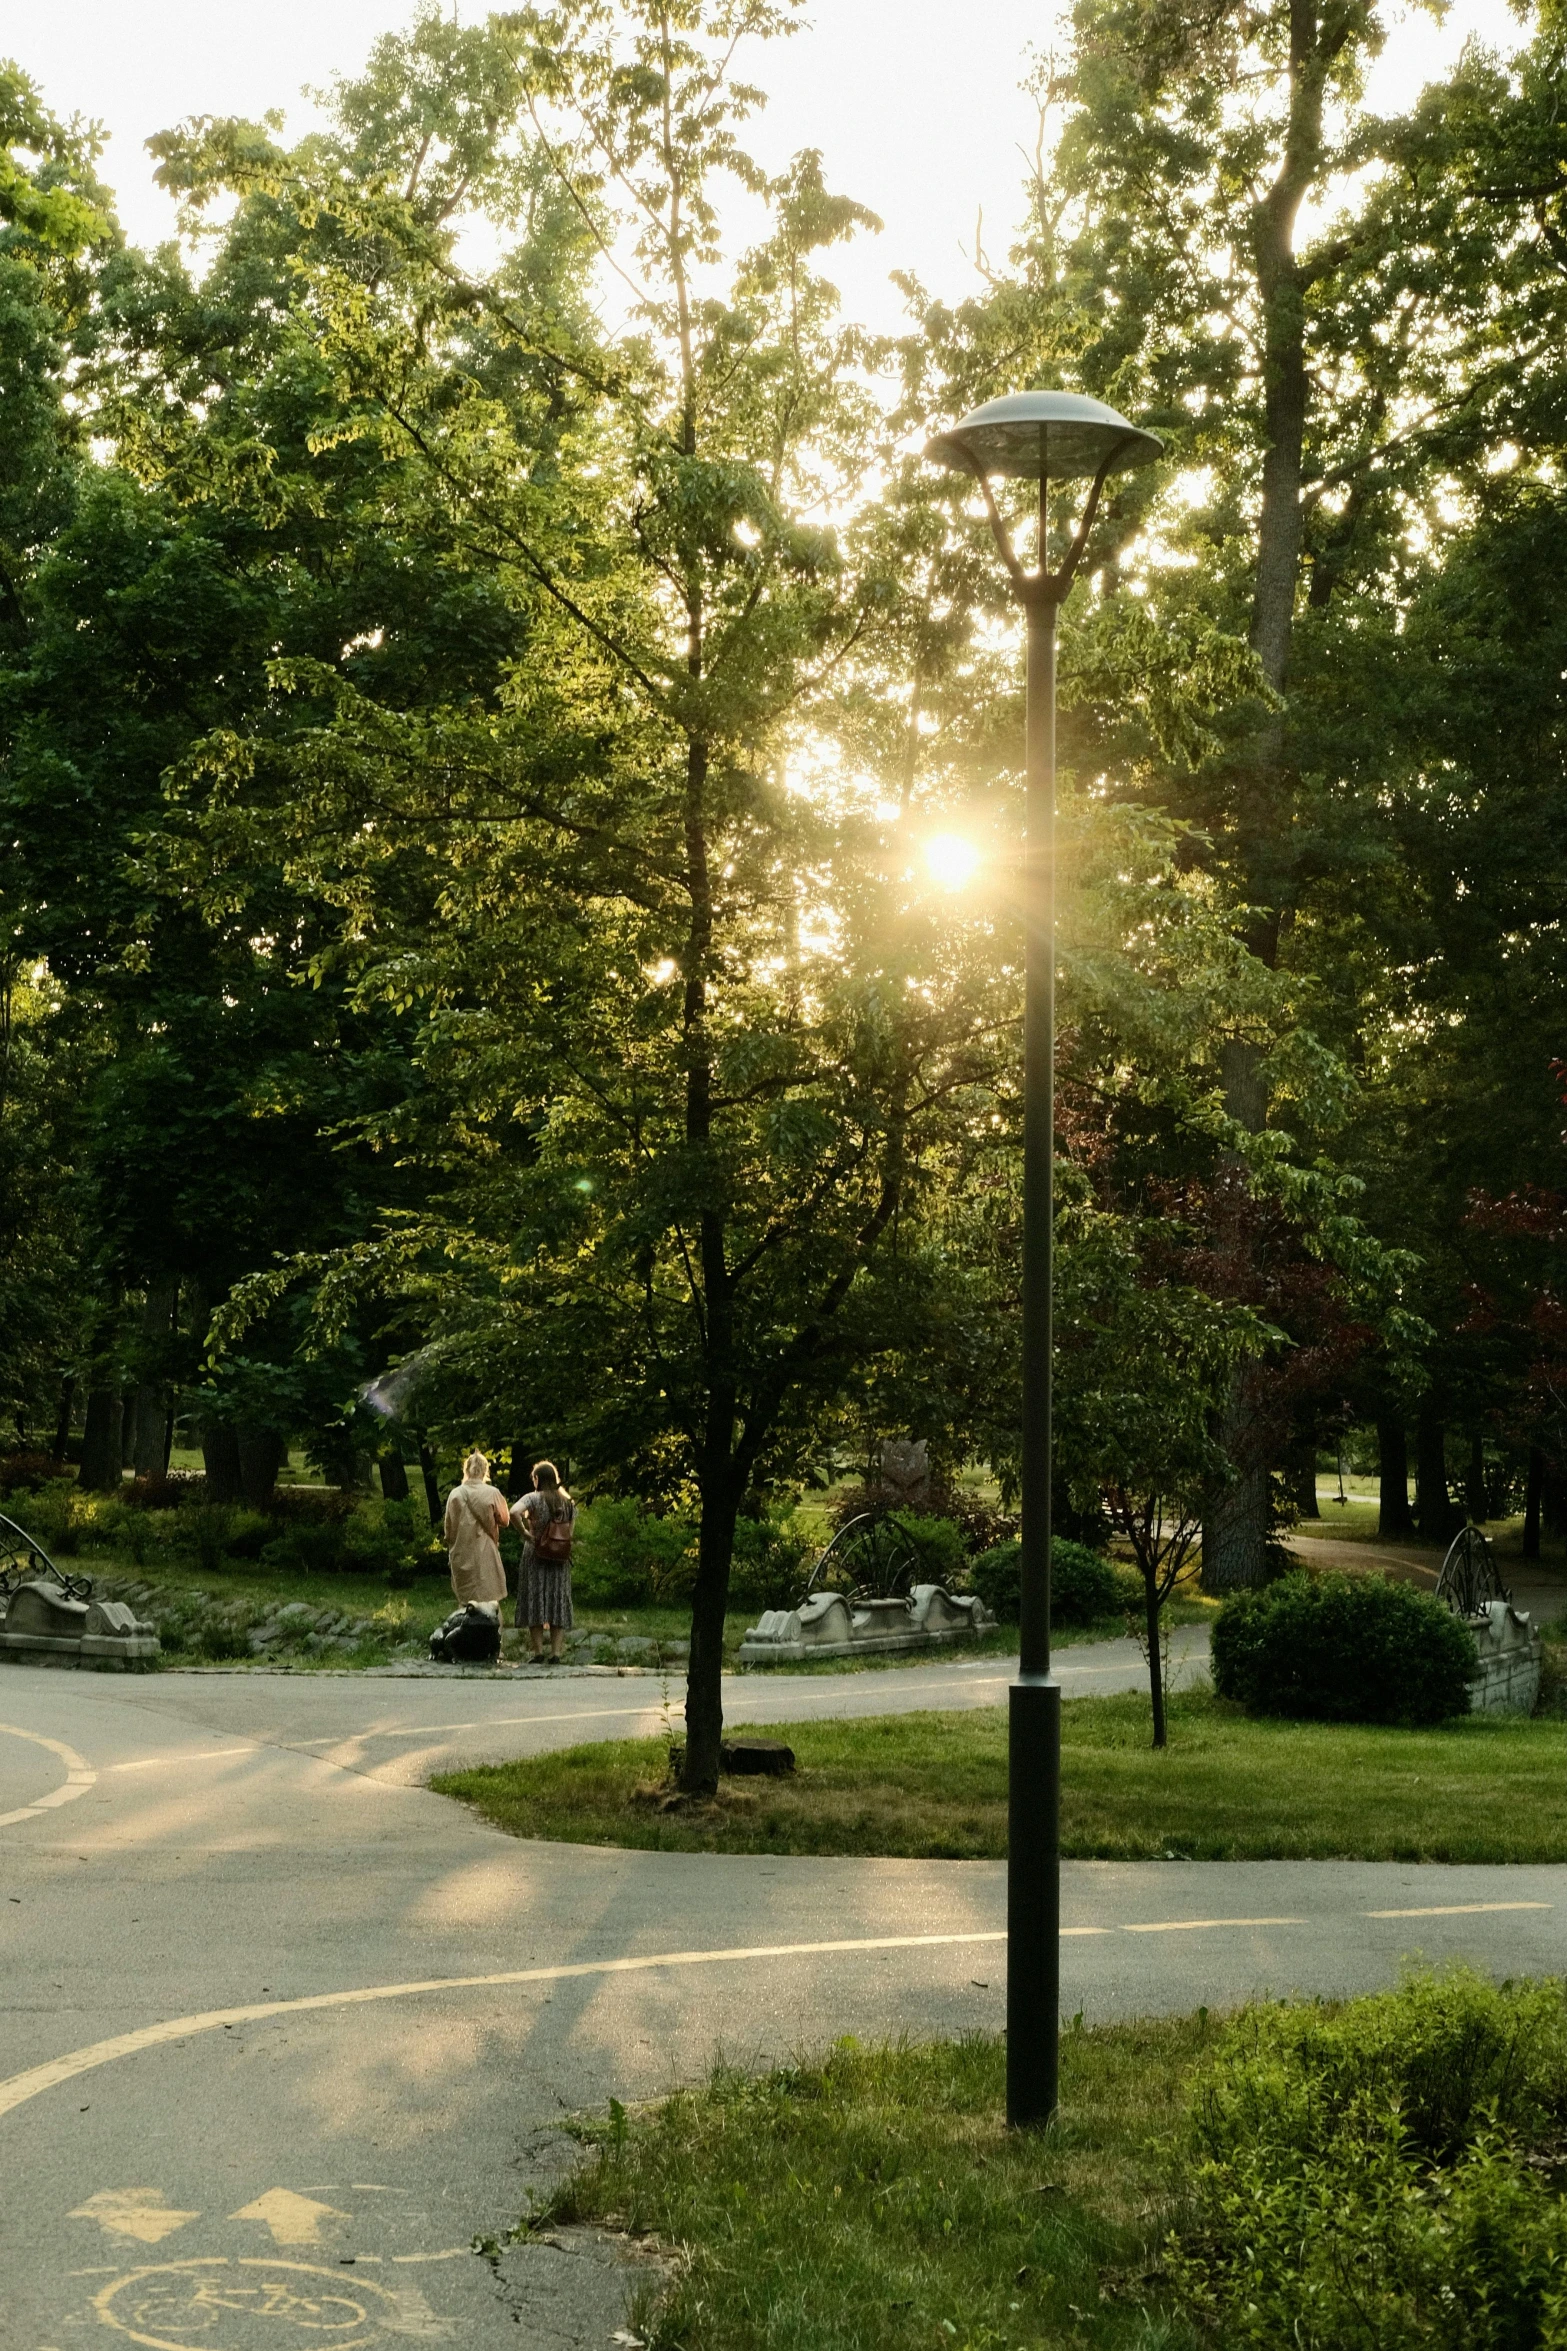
column 1539, row 1585
column 284, row 2031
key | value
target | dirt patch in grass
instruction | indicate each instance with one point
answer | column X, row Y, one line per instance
column 876, row 2201
column 1484, row 1789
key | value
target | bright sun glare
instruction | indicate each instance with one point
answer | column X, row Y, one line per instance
column 951, row 859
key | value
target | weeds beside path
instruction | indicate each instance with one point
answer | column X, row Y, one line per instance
column 933, row 1786
column 876, row 2200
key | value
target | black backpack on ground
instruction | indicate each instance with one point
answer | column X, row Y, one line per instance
column 468, row 1637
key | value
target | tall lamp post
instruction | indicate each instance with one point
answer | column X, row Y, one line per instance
column 1045, row 437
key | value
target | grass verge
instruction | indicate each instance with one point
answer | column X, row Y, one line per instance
column 875, row 2201
column 1486, row 1788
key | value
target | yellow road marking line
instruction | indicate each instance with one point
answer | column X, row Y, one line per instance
column 452, row 2253
column 19, row 2087
column 1456, row 1909
column 201, row 1755
column 1175, row 1926
column 80, row 1775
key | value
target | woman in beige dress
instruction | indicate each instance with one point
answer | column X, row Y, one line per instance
column 475, row 1514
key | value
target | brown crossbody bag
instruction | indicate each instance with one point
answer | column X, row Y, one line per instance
column 552, row 1542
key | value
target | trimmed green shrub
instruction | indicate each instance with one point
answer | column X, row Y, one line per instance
column 772, row 1558
column 20, row 1473
column 202, row 1535
column 55, row 1515
column 1343, row 1649
column 1382, row 2176
column 939, row 1542
column 1085, row 1587
column 625, row 1556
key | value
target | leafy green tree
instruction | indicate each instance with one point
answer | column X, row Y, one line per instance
column 1334, row 320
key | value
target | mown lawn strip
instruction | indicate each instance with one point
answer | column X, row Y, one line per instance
column 1484, row 1789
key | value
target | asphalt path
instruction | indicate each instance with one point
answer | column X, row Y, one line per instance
column 284, row 2032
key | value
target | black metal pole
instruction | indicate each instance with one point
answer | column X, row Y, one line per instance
column 1034, row 1712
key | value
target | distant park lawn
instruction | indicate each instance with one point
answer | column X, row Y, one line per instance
column 1483, row 1789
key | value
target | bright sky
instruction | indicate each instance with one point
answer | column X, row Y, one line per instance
column 915, row 105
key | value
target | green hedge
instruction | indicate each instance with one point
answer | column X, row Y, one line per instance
column 321, row 1531
column 1343, row 1648
column 1384, row 2177
column 1085, row 1587
column 628, row 1557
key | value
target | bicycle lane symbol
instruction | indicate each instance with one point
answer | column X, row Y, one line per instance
column 260, row 2303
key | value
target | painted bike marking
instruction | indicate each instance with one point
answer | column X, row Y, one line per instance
column 222, row 2302
column 293, row 2220
column 81, row 1775
column 143, row 2213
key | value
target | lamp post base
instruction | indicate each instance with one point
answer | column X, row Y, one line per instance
column 1033, row 1898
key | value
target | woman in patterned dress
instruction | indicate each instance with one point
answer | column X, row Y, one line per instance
column 548, row 1516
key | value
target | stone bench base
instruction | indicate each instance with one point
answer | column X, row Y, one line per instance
column 828, row 1626
column 44, row 1626
column 1508, row 1681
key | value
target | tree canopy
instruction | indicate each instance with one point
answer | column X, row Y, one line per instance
column 493, row 706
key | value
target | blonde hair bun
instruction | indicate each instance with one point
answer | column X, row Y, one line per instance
column 476, row 1466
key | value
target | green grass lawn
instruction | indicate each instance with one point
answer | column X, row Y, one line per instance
column 1354, row 1521
column 1484, row 1788
column 876, row 2201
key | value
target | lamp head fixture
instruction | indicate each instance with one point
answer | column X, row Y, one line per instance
column 1044, row 437
column 1031, row 436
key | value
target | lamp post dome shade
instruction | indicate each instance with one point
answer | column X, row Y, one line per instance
column 1062, row 434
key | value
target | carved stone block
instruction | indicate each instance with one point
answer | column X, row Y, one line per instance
column 1508, row 1681
column 44, row 1626
column 825, row 1625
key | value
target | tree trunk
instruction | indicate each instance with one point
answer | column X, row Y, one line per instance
column 128, row 1429
column 704, row 1673
column 1235, row 1541
column 1433, row 1508
column 102, row 1441
column 152, row 1391
column 62, row 1426
column 1155, row 1662
column 1303, row 1484
column 260, row 1458
column 1235, row 1535
column 432, row 1490
column 519, row 1478
column 1553, row 1500
column 394, row 1477
column 1235, row 1530
column 220, row 1459
column 1394, row 1519
column 1531, row 1503
column 351, row 1471
column 1474, row 1484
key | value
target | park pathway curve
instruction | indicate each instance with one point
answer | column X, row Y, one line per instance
column 284, row 2031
